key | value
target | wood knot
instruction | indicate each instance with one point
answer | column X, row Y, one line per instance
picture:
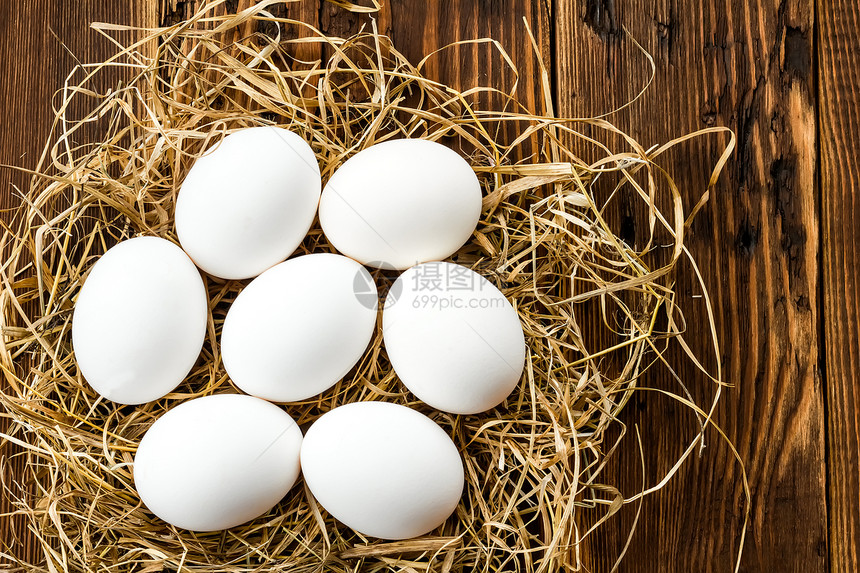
column 600, row 16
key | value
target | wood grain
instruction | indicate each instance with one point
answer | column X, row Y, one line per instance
column 748, row 66
column 443, row 23
column 40, row 43
column 839, row 128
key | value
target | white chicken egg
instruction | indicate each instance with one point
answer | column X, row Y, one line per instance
column 382, row 469
column 216, row 462
column 139, row 320
column 299, row 327
column 247, row 204
column 452, row 337
column 401, row 202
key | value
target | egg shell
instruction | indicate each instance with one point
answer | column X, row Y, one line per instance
column 401, row 202
column 299, row 327
column 248, row 203
column 452, row 337
column 216, row 462
column 382, row 469
column 139, row 320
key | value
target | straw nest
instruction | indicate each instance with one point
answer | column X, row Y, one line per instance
column 597, row 310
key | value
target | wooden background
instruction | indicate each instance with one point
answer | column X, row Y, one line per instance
column 778, row 238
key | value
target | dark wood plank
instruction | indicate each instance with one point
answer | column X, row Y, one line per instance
column 418, row 28
column 40, row 43
column 839, row 128
column 748, row 66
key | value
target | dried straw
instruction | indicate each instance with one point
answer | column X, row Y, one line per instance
column 545, row 238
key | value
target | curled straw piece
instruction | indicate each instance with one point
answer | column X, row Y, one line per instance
column 597, row 310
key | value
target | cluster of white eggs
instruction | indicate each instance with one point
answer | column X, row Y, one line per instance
column 298, row 328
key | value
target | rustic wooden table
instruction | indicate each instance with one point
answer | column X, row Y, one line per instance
column 778, row 237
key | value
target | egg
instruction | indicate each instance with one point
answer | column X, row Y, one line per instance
column 247, row 204
column 216, row 462
column 139, row 320
column 299, row 327
column 452, row 338
column 401, row 202
column 382, row 469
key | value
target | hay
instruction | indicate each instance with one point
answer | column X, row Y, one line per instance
column 546, row 239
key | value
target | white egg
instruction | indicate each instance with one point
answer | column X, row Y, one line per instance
column 401, row 202
column 216, row 462
column 139, row 320
column 382, row 469
column 299, row 327
column 452, row 337
column 247, row 205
